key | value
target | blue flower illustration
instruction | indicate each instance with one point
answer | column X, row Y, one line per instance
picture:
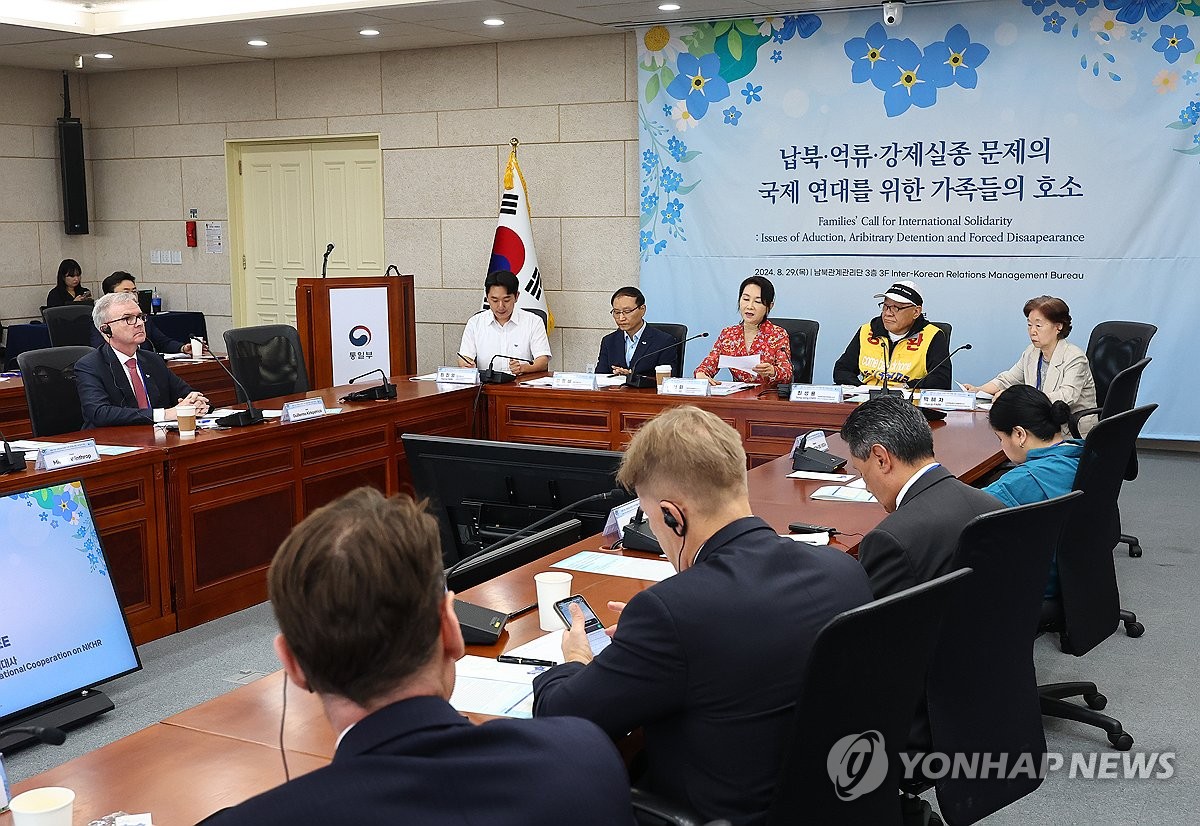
column 667, row 110
column 1053, row 22
column 954, row 60
column 903, row 80
column 698, row 83
column 1190, row 77
column 645, row 239
column 649, row 200
column 751, row 93
column 88, row 545
column 671, row 212
column 1137, row 35
column 1172, row 42
column 776, row 56
column 64, row 504
column 44, row 516
column 54, row 523
column 778, row 37
column 1196, row 138
column 660, row 246
column 1080, row 6
column 670, row 180
column 649, row 160
column 1038, row 6
column 731, row 115
column 1131, row 11
column 805, row 25
column 869, row 53
column 677, row 148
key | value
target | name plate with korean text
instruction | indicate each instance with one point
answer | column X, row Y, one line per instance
column 457, row 375
column 826, row 393
column 947, row 400
column 684, row 387
column 574, row 381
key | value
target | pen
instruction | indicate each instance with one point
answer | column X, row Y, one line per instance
column 524, row 661
column 464, row 358
column 524, row 610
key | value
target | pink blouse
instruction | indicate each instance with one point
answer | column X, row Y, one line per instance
column 771, row 344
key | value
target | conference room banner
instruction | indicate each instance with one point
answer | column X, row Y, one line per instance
column 988, row 151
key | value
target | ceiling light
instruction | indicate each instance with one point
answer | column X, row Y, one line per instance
column 256, row 42
column 102, row 56
column 669, row 7
column 368, row 32
column 493, row 21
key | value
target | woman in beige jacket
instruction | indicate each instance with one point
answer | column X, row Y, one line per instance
column 1050, row 363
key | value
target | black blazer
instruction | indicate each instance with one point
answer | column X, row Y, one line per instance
column 710, row 662
column 106, row 397
column 59, row 297
column 612, row 352
column 156, row 340
column 916, row 542
column 420, row 762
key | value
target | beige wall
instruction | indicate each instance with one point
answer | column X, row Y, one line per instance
column 156, row 149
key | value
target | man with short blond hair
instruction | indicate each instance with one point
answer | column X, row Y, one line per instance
column 709, row 662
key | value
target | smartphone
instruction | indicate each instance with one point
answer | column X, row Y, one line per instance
column 597, row 639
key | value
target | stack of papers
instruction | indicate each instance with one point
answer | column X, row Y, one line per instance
column 484, row 686
column 653, row 570
column 856, row 491
column 727, row 388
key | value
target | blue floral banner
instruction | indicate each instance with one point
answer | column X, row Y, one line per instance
column 989, row 152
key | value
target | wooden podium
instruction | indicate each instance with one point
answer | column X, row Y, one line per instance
column 322, row 344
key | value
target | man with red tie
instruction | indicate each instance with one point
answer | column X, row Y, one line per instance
column 121, row 384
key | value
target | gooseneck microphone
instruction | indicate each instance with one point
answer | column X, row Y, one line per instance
column 242, row 418
column 10, row 462
column 635, row 380
column 387, row 390
column 917, row 384
column 887, row 368
column 49, row 735
column 490, row 376
column 325, row 260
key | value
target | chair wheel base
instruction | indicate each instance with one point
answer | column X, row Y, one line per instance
column 1121, row 742
column 1096, row 701
column 1134, row 629
column 1135, row 551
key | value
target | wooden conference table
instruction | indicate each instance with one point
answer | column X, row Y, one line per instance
column 227, row 749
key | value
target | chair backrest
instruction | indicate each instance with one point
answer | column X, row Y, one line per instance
column 537, row 312
column 883, row 647
column 1086, row 572
column 947, row 328
column 1114, row 346
column 802, row 338
column 1122, row 392
column 267, row 360
column 182, row 325
column 50, row 393
column 984, row 655
column 679, row 333
column 146, row 301
column 69, row 325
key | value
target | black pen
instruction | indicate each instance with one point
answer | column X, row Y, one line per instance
column 464, row 358
column 524, row 661
column 524, row 610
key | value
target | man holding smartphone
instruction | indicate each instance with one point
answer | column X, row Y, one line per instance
column 709, row 663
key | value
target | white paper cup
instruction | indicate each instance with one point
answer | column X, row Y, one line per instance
column 661, row 372
column 551, row 587
column 49, row 806
column 186, row 414
column 197, row 349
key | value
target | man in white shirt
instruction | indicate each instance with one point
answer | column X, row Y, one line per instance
column 501, row 338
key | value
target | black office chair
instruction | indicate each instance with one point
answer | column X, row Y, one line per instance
column 802, row 338
column 539, row 313
column 267, row 360
column 947, row 328
column 1112, row 347
column 1089, row 608
column 182, row 325
column 679, row 333
column 50, row 394
column 70, row 325
column 981, row 690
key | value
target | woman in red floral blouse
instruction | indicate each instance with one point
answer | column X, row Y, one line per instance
column 754, row 335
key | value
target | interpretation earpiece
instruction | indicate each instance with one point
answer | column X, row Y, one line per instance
column 671, row 522
column 107, row 330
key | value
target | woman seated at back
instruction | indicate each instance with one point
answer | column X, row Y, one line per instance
column 1028, row 426
column 69, row 289
column 753, row 336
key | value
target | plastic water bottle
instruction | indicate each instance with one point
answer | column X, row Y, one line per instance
column 155, row 302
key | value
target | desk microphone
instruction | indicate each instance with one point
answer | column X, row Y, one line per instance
column 490, row 376
column 325, row 260
column 11, row 462
column 387, row 390
column 932, row 414
column 634, row 380
column 49, row 735
column 916, row 384
column 887, row 368
column 251, row 415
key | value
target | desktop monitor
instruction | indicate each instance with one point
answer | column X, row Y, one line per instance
column 483, row 491
column 146, row 301
column 62, row 630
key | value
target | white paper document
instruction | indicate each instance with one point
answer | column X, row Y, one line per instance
column 654, row 570
column 728, row 388
column 485, row 686
column 544, row 381
column 547, row 647
column 845, row 493
column 744, row 363
column 426, row 377
column 820, row 477
column 811, row 538
column 979, row 394
column 610, row 381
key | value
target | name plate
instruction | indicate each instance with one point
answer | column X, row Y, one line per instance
column 684, row 387
column 947, row 399
column 457, row 375
column 574, row 381
column 82, row 452
column 302, row 410
column 826, row 393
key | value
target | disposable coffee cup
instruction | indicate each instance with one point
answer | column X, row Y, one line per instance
column 551, row 587
column 186, row 414
column 48, row 806
column 661, row 373
column 197, row 348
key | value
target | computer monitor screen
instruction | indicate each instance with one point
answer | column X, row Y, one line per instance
column 482, row 491
column 62, row 629
column 146, row 300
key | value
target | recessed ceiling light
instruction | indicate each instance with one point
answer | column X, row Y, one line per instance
column 256, row 42
column 493, row 21
column 669, row 7
column 102, row 56
column 368, row 32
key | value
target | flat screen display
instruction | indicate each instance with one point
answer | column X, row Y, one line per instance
column 61, row 626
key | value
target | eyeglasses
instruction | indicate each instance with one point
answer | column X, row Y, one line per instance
column 895, row 308
column 131, row 320
column 624, row 313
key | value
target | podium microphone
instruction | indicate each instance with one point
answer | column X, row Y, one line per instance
column 634, row 380
column 325, row 260
column 242, row 418
column 387, row 390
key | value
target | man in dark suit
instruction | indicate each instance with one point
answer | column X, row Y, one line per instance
column 710, row 661
column 366, row 623
column 119, row 383
column 156, row 339
column 891, row 446
column 633, row 342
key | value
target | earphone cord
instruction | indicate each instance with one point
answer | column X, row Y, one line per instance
column 287, row 775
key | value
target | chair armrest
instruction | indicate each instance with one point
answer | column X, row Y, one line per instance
column 1073, row 423
column 662, row 810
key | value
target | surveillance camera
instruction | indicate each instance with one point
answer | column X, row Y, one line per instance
column 893, row 13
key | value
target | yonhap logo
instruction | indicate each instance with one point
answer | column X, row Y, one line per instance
column 857, row 764
column 360, row 336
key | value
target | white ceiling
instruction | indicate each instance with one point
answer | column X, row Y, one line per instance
column 141, row 34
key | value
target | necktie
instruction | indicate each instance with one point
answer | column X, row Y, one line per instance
column 139, row 389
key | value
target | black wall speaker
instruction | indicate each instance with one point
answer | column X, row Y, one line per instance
column 74, row 182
